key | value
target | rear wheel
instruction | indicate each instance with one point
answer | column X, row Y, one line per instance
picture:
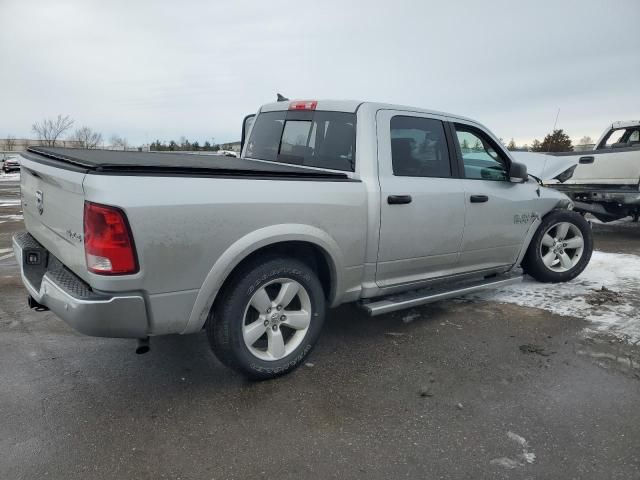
column 560, row 249
column 268, row 318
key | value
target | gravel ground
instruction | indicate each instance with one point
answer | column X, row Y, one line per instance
column 458, row 389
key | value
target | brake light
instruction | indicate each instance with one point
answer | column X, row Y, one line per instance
column 108, row 243
column 303, row 105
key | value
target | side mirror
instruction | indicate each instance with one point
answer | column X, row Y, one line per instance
column 518, row 173
column 246, row 125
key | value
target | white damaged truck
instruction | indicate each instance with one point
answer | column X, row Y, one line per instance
column 605, row 181
column 330, row 202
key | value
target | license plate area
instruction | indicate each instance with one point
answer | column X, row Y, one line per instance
column 34, row 264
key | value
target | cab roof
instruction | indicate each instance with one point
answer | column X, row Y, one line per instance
column 351, row 106
column 625, row 124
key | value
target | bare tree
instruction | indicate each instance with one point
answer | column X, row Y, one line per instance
column 586, row 140
column 50, row 129
column 10, row 142
column 87, row 138
column 119, row 142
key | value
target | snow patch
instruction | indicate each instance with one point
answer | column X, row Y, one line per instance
column 528, row 457
column 518, row 439
column 521, row 459
column 617, row 272
column 506, row 462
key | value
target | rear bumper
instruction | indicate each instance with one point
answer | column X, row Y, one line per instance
column 90, row 312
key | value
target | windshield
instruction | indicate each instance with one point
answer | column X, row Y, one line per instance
column 310, row 138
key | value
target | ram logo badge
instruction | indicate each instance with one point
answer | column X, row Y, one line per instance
column 525, row 218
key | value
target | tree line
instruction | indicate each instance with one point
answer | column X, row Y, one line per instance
column 184, row 145
column 556, row 141
column 51, row 130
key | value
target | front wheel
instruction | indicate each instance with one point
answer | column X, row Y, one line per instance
column 268, row 317
column 560, row 249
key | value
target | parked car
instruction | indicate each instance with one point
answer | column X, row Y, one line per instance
column 604, row 182
column 228, row 153
column 10, row 163
column 331, row 202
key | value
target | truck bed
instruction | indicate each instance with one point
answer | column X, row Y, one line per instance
column 174, row 163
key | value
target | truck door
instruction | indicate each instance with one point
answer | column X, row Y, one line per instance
column 616, row 161
column 498, row 212
column 422, row 202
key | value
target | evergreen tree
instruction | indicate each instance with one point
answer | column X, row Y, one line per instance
column 557, row 141
column 535, row 146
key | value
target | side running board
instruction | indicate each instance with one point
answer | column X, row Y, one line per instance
column 423, row 296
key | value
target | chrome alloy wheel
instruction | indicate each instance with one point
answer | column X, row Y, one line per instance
column 561, row 247
column 276, row 319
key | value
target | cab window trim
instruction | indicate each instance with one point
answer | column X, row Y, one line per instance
column 477, row 131
column 451, row 154
column 628, row 131
column 304, row 116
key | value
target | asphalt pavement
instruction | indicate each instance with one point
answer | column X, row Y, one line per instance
column 459, row 389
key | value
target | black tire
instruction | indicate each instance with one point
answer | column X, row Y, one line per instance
column 226, row 321
column 533, row 263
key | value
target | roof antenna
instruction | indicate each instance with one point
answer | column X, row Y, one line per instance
column 554, row 129
column 282, row 98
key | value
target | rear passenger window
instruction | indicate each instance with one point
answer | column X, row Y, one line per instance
column 419, row 147
column 314, row 139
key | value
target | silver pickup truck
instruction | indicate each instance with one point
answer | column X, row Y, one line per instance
column 331, row 202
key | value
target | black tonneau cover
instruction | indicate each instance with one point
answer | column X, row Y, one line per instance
column 120, row 162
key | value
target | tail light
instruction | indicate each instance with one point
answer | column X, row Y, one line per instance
column 108, row 243
column 303, row 105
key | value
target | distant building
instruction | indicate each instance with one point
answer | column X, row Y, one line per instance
column 583, row 148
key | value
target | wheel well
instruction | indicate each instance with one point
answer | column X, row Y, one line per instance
column 313, row 255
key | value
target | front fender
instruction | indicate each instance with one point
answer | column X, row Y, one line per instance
column 252, row 242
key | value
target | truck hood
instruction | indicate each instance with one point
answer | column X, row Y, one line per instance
column 543, row 166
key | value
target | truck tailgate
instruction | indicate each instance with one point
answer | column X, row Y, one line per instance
column 53, row 207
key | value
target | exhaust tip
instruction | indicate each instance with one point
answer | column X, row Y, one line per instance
column 143, row 346
column 34, row 305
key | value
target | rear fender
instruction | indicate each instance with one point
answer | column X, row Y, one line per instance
column 252, row 242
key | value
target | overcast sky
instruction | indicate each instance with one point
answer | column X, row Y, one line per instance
column 147, row 70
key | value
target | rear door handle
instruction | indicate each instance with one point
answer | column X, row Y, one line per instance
column 398, row 199
column 478, row 198
column 586, row 160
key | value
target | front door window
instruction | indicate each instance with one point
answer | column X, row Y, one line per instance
column 480, row 158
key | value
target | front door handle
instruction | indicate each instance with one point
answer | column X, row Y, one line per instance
column 398, row 199
column 584, row 160
column 478, row 198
